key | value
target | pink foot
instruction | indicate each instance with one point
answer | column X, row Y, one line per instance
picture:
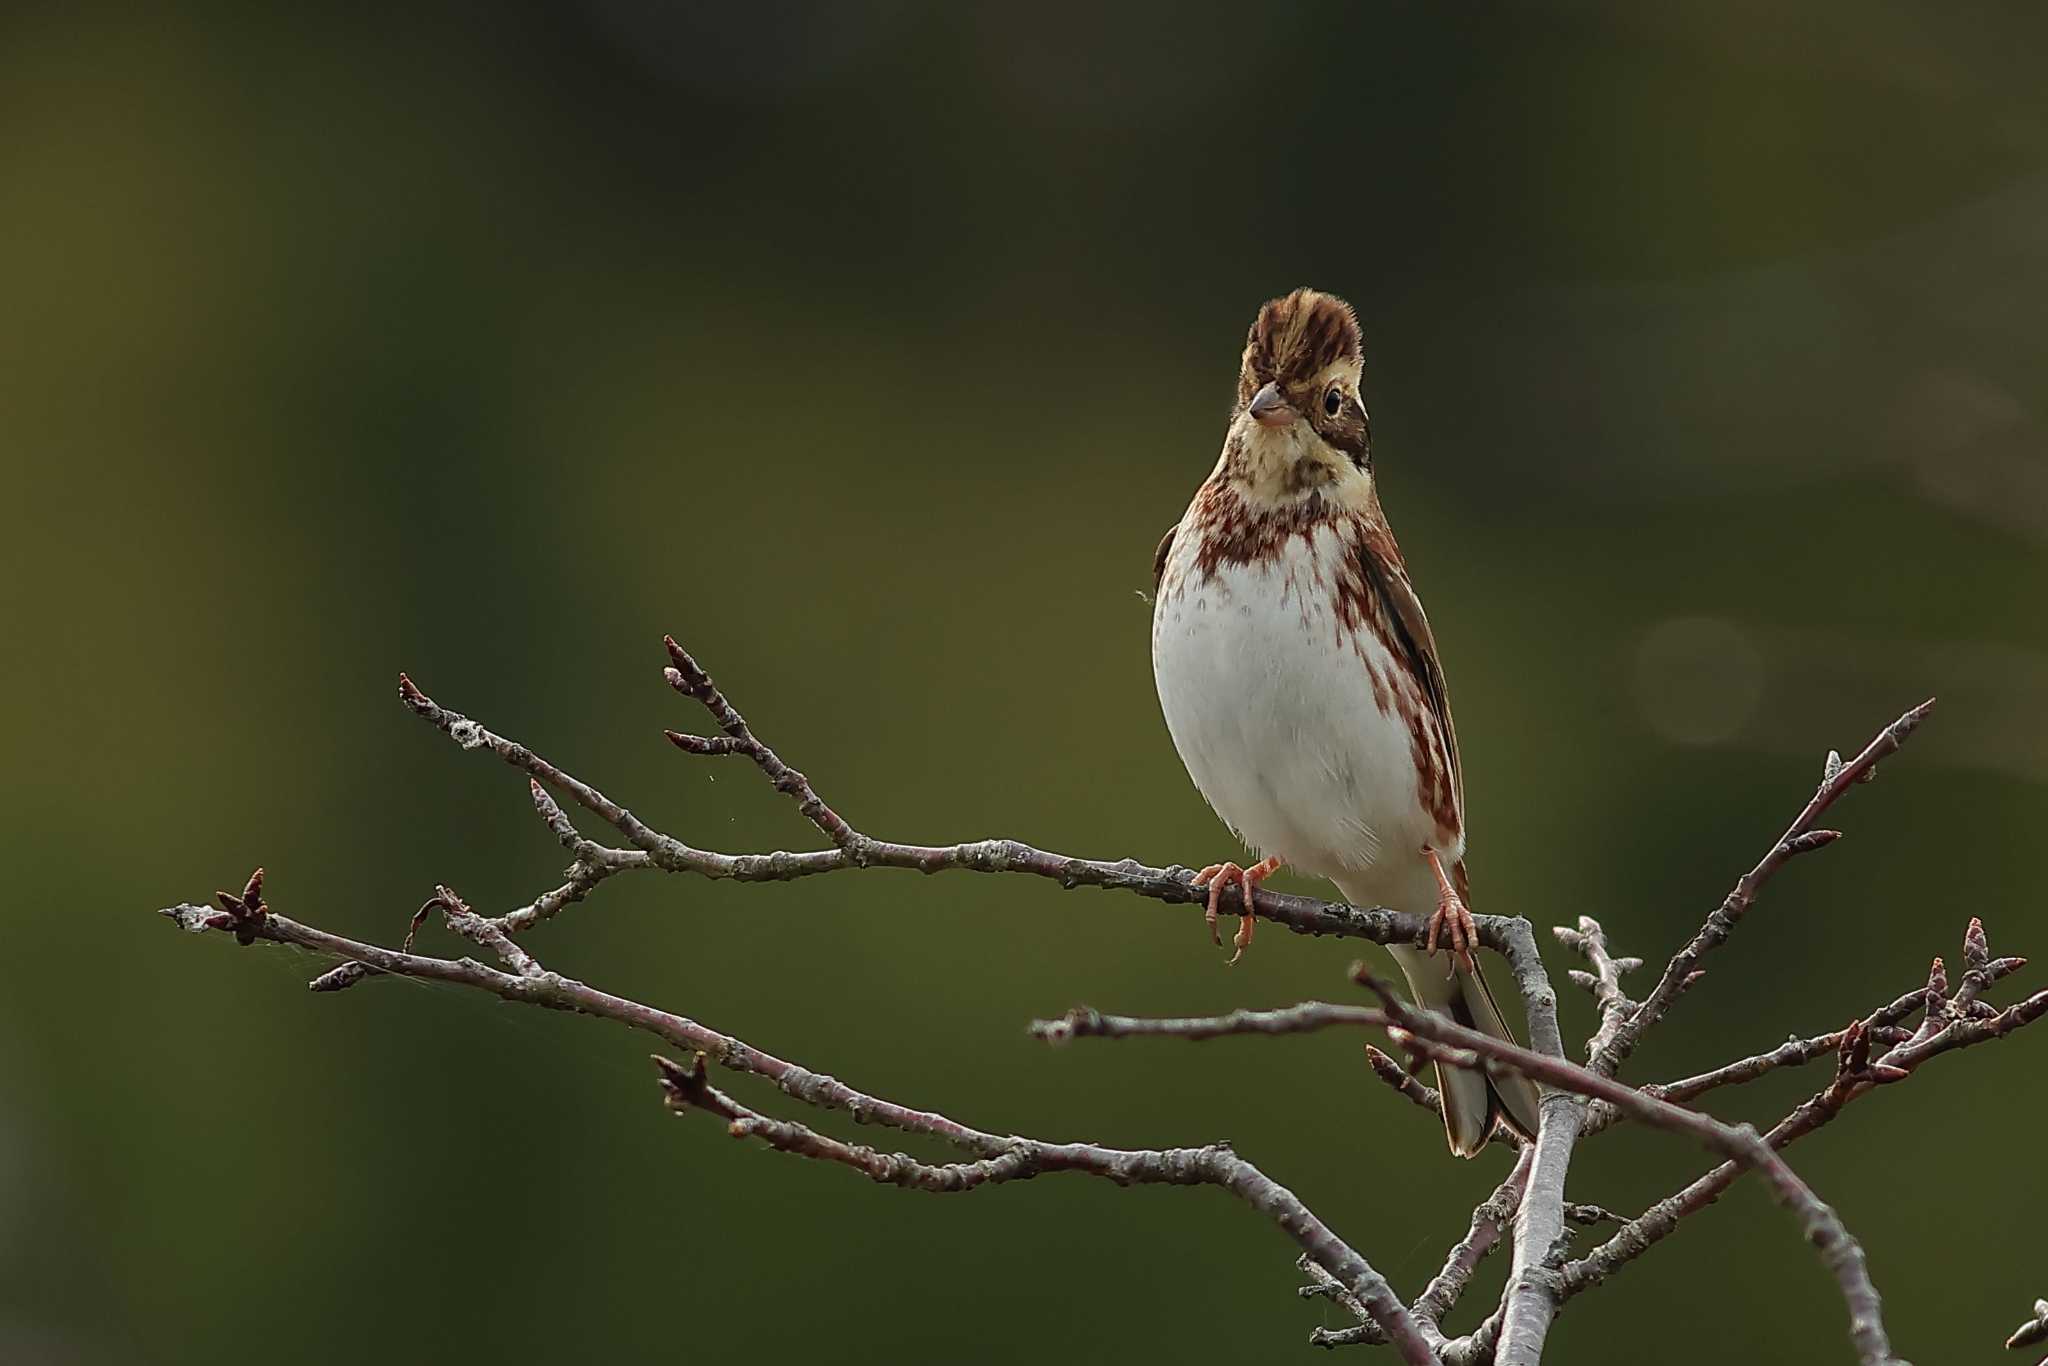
column 1452, row 921
column 1216, row 877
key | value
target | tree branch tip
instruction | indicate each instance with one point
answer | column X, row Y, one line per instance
column 191, row 918
column 1064, row 1029
column 1976, row 948
column 1361, row 974
column 684, row 673
column 1811, row 840
column 410, row 694
column 2033, row 1331
column 1898, row 730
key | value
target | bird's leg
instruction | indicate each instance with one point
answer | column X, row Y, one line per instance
column 1219, row 875
column 1453, row 919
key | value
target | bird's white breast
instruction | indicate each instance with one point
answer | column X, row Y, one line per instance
column 1272, row 704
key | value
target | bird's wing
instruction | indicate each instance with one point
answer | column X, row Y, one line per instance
column 1159, row 555
column 1383, row 565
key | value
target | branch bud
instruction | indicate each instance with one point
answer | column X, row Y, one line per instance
column 1976, row 949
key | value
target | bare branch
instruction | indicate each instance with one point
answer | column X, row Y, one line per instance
column 1303, row 915
column 1945, row 1030
column 1083, row 1022
column 1530, row 1301
column 1489, row 1221
column 1880, row 1025
column 1740, row 1143
column 1534, row 1290
column 1455, row 1045
column 688, row 678
column 1876, row 1050
column 1003, row 1157
column 1409, row 1086
column 1800, row 837
column 594, row 863
column 1604, row 982
column 477, row 929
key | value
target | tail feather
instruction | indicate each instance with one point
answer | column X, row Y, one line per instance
column 1511, row 1097
column 1473, row 1101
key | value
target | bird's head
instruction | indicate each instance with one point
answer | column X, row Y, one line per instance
column 1300, row 423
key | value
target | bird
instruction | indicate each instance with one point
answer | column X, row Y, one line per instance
column 1301, row 684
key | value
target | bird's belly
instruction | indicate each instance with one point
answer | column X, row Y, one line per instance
column 1273, row 707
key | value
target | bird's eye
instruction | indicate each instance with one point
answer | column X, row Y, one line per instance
column 1333, row 402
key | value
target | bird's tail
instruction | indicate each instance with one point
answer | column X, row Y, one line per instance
column 1474, row 1100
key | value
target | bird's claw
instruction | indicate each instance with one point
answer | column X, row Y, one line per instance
column 1453, row 924
column 1452, row 920
column 1216, row 877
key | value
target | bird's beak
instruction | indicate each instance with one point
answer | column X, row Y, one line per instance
column 1269, row 409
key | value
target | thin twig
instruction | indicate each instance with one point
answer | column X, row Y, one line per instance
column 687, row 677
column 1800, row 837
column 1407, row 1085
column 594, row 863
column 1604, row 982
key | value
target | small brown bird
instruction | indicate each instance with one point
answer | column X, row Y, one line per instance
column 1301, row 683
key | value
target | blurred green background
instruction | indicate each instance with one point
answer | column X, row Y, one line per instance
column 869, row 349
